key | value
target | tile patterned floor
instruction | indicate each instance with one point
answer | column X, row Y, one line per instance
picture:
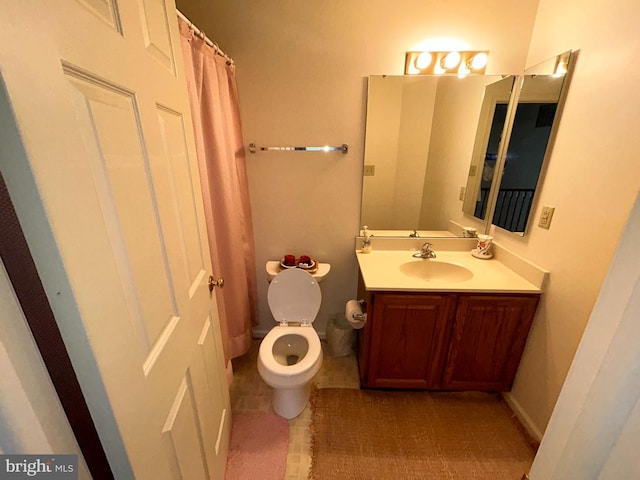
column 249, row 394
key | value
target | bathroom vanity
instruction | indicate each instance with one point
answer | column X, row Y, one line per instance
column 450, row 323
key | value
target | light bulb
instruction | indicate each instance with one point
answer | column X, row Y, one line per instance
column 451, row 60
column 479, row 61
column 423, row 60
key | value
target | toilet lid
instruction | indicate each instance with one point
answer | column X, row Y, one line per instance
column 294, row 296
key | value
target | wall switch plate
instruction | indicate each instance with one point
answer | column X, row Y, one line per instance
column 369, row 170
column 462, row 192
column 472, row 170
column 545, row 217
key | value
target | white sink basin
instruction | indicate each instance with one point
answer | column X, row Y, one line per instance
column 436, row 271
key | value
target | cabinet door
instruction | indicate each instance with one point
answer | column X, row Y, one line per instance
column 409, row 334
column 489, row 335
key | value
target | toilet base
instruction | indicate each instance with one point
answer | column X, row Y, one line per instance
column 290, row 402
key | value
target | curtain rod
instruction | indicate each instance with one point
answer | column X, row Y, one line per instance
column 206, row 39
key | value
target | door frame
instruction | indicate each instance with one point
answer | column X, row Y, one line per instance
column 34, row 303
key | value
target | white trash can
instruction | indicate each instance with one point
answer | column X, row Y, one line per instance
column 341, row 337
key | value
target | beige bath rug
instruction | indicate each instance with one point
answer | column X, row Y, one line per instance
column 365, row 434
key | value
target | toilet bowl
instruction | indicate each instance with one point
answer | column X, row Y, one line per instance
column 290, row 354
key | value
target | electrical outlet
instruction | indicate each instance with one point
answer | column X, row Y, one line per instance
column 369, row 170
column 545, row 217
column 462, row 192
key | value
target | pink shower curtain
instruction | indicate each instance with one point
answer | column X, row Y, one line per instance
column 215, row 112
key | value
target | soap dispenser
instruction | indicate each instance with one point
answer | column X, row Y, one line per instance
column 366, row 243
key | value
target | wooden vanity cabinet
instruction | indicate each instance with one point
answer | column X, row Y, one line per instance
column 407, row 340
column 488, row 338
column 443, row 341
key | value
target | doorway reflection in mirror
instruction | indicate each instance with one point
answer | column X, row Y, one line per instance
column 489, row 135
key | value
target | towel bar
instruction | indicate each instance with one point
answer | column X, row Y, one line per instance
column 344, row 148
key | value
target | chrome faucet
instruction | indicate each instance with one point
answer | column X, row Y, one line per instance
column 415, row 234
column 425, row 252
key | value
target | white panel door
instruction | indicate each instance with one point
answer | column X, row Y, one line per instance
column 98, row 92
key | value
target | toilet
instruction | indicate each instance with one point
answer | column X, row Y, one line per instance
column 290, row 354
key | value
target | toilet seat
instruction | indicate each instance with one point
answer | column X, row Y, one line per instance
column 294, row 296
column 282, row 374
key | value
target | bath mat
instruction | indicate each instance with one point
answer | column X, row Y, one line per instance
column 364, row 434
column 258, row 447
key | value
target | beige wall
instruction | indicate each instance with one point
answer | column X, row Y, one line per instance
column 593, row 432
column 301, row 72
column 592, row 180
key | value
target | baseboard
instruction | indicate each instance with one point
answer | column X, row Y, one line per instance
column 522, row 416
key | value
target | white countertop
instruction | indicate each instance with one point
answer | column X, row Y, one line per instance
column 381, row 272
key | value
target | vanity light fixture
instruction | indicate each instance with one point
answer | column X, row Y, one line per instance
column 439, row 63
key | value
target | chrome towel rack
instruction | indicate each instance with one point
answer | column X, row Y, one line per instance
column 344, row 148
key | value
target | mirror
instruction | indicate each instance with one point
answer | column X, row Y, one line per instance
column 487, row 145
column 420, row 137
column 422, row 130
column 531, row 130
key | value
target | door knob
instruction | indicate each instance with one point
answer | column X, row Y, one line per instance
column 215, row 283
